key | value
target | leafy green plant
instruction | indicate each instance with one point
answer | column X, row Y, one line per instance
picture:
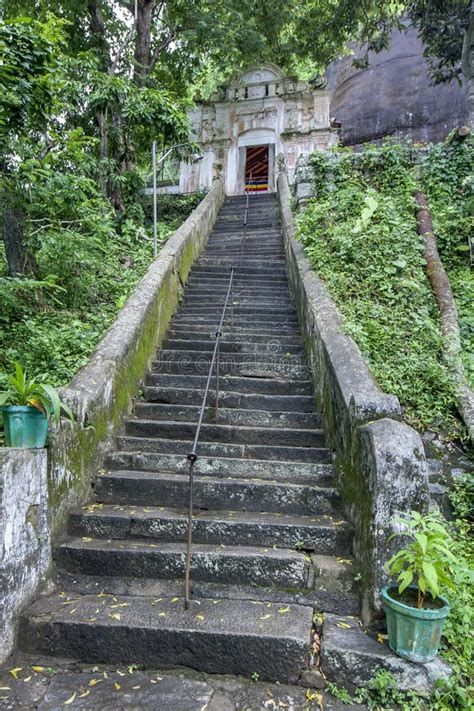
column 428, row 561
column 360, row 236
column 381, row 694
column 339, row 693
column 21, row 390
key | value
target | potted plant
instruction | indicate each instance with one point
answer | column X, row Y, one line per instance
column 27, row 406
column 414, row 608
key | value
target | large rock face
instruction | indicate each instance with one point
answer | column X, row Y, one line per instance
column 394, row 96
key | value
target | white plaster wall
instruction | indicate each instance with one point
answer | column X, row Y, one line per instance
column 260, row 107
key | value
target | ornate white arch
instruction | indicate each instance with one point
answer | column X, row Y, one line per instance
column 256, row 137
column 258, row 74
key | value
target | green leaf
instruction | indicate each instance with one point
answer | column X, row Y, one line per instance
column 405, row 580
column 431, row 576
column 422, row 541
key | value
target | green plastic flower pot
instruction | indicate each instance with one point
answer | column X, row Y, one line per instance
column 413, row 633
column 25, row 426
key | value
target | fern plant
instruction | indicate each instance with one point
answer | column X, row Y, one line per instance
column 427, row 562
column 21, row 390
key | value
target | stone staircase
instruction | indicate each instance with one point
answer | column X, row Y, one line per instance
column 270, row 545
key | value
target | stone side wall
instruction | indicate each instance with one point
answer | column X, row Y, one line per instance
column 381, row 467
column 100, row 394
column 38, row 487
column 25, row 543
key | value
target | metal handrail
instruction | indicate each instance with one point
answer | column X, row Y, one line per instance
column 193, row 455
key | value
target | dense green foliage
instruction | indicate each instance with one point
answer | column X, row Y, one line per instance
column 74, row 156
column 360, row 234
column 51, row 325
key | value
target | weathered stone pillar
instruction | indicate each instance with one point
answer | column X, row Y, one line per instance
column 25, row 545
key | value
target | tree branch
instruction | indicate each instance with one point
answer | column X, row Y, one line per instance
column 121, row 49
column 160, row 48
column 467, row 46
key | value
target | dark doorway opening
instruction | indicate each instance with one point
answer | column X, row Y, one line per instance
column 257, row 168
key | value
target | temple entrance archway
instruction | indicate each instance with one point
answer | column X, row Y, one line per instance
column 256, row 161
column 257, row 168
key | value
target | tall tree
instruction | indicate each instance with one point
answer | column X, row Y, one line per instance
column 26, row 68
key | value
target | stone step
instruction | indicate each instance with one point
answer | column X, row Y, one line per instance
column 235, row 246
column 226, row 234
column 254, row 272
column 239, row 302
column 232, row 434
column 350, row 656
column 230, row 400
column 233, row 347
column 256, row 331
column 285, row 334
column 308, row 533
column 244, row 261
column 211, row 278
column 268, row 310
column 168, row 489
column 299, row 471
column 143, row 444
column 234, row 564
column 230, row 353
column 232, row 383
column 228, row 229
column 241, row 255
column 227, row 637
column 256, row 321
column 278, row 367
column 239, row 288
column 240, row 339
column 264, row 226
column 252, row 257
column 238, row 212
column 328, row 592
column 250, row 284
column 227, row 416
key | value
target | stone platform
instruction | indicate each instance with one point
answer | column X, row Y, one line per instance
column 52, row 684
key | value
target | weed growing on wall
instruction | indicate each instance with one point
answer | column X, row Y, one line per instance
column 360, row 235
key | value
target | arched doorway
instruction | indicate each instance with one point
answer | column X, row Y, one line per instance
column 257, row 169
column 256, row 160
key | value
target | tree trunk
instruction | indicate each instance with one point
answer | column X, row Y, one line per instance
column 102, row 120
column 145, row 10
column 19, row 259
column 468, row 66
column 447, row 310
